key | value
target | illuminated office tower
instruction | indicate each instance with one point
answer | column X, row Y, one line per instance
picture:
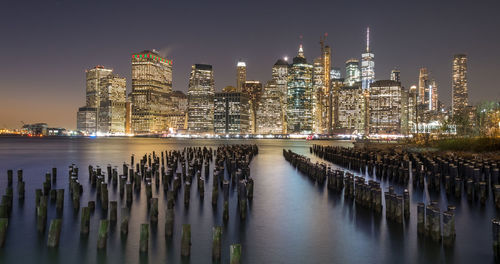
column 94, row 77
column 351, row 110
column 112, row 109
column 299, row 101
column 151, row 86
column 352, row 72
column 231, row 113
column 241, row 75
column 269, row 114
column 201, row 99
column 325, row 99
column 412, row 108
column 460, row 94
column 396, row 75
column 177, row 117
column 88, row 115
column 280, row 77
column 367, row 64
column 423, row 86
column 385, row 107
column 319, row 96
column 434, row 95
column 86, row 120
column 253, row 89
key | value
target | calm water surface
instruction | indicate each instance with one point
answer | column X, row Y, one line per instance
column 291, row 219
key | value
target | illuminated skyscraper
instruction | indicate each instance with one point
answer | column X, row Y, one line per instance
column 351, row 110
column 280, row 78
column 434, row 95
column 352, row 72
column 112, row 111
column 151, row 86
column 325, row 98
column 319, row 96
column 94, row 77
column 367, row 64
column 201, row 99
column 104, row 111
column 231, row 113
column 269, row 114
column 253, row 89
column 177, row 117
column 460, row 94
column 396, row 75
column 423, row 86
column 412, row 108
column 385, row 107
column 241, row 75
column 299, row 102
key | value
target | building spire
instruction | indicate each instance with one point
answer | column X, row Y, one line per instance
column 368, row 40
column 301, row 50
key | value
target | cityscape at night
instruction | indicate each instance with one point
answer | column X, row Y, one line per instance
column 249, row 132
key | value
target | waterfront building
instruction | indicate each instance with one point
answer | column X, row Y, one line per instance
column 385, row 107
column 104, row 110
column 299, row 92
column 367, row 64
column 324, row 93
column 231, row 113
column 351, row 109
column 280, row 78
column 423, row 86
column 352, row 72
column 177, row 117
column 86, row 120
column 253, row 89
column 460, row 95
column 128, row 117
column 434, row 96
column 396, row 75
column 318, row 95
column 412, row 107
column 269, row 112
column 241, row 75
column 201, row 99
column 151, row 86
column 112, row 109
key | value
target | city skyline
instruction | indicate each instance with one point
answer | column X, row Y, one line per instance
column 55, row 92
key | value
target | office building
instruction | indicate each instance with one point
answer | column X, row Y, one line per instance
column 231, row 113
column 201, row 99
column 269, row 112
column 151, row 86
column 367, row 64
column 352, row 72
column 241, row 75
column 385, row 107
column 460, row 96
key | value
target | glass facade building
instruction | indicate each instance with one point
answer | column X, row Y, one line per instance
column 151, row 86
column 231, row 113
column 299, row 101
column 385, row 107
column 201, row 99
column 367, row 64
column 460, row 96
column 352, row 72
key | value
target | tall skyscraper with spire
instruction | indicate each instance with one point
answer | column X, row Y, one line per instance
column 299, row 103
column 367, row 64
column 241, row 75
column 460, row 94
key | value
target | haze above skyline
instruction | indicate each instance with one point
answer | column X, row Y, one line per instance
column 48, row 45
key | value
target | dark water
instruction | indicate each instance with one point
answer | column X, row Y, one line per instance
column 291, row 219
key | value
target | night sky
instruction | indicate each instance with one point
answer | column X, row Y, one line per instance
column 47, row 45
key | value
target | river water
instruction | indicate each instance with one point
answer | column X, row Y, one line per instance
column 291, row 219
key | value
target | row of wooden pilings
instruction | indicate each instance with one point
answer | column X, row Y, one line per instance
column 454, row 173
column 233, row 159
column 369, row 195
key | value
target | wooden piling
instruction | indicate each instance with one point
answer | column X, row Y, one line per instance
column 85, row 221
column 113, row 212
column 216, row 243
column 124, row 221
column 103, row 234
column 153, row 211
column 169, row 222
column 144, row 240
column 4, row 223
column 235, row 254
column 186, row 240
column 54, row 233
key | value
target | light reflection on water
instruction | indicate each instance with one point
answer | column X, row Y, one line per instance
column 291, row 219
